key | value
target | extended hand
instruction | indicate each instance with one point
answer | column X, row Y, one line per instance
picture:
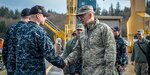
column 66, row 62
column 76, row 74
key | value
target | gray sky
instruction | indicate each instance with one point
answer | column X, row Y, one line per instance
column 106, row 3
column 57, row 5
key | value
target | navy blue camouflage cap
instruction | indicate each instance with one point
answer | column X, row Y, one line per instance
column 25, row 12
column 85, row 9
column 39, row 9
column 116, row 28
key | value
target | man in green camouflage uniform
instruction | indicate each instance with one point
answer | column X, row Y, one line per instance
column 141, row 65
column 96, row 45
column 70, row 70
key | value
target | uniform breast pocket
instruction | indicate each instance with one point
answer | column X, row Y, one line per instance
column 95, row 39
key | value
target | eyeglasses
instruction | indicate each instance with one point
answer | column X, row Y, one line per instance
column 79, row 30
column 81, row 16
column 138, row 34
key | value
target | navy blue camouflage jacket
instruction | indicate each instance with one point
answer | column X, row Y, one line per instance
column 122, row 56
column 25, row 47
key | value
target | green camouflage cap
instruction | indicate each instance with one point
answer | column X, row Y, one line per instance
column 85, row 9
column 140, row 31
column 80, row 26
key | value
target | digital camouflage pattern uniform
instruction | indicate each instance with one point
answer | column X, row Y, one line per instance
column 141, row 65
column 25, row 47
column 122, row 55
column 98, row 50
column 78, row 66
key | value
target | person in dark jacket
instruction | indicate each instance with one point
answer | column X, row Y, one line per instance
column 138, row 54
column 122, row 55
column 26, row 46
column 73, row 69
column 8, row 52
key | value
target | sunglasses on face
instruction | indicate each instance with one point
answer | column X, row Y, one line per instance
column 80, row 16
column 79, row 29
column 139, row 34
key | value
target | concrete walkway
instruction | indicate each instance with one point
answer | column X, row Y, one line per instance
column 57, row 71
column 129, row 68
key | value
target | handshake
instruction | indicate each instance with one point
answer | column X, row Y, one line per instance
column 66, row 63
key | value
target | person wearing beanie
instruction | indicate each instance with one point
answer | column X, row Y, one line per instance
column 25, row 14
column 8, row 52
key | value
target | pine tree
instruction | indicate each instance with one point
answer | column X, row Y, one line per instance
column 148, row 7
column 111, row 10
column 117, row 10
column 4, row 11
column 17, row 15
column 126, row 13
column 104, row 12
column 98, row 9
column 2, row 27
column 11, row 13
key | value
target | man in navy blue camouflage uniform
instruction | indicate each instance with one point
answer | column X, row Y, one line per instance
column 26, row 46
column 122, row 56
column 8, row 52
